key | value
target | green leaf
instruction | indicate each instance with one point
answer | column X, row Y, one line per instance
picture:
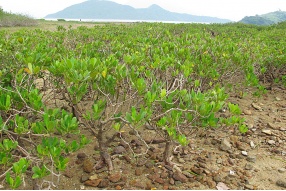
column 163, row 93
column 30, row 66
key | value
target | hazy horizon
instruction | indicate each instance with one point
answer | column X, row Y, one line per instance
column 225, row 9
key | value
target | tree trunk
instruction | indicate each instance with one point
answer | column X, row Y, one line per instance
column 168, row 152
column 103, row 149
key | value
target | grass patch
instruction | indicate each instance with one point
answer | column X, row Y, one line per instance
column 13, row 20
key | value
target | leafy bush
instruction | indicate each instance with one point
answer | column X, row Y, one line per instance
column 117, row 78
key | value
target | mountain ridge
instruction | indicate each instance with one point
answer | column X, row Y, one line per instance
column 265, row 19
column 101, row 9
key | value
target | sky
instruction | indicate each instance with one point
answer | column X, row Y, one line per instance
column 234, row 10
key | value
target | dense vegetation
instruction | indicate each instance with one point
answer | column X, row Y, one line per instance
column 116, row 78
column 265, row 19
column 10, row 19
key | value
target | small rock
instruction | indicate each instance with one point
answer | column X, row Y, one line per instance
column 267, row 132
column 249, row 187
column 255, row 106
column 219, row 161
column 197, row 170
column 281, row 183
column 180, row 177
column 278, row 99
column 84, row 178
column 252, row 145
column 159, row 180
column 115, row 177
column 244, row 153
column 187, row 174
column 271, row 142
column 211, row 184
column 273, row 126
column 148, row 185
column 248, row 167
column 93, row 183
column 222, row 186
column 217, row 178
column 119, row 150
column 247, row 112
column 168, row 167
column 178, row 183
column 225, row 145
column 164, row 175
column 251, row 158
column 93, row 177
column 282, row 170
column 138, row 172
column 68, row 173
column 118, row 187
column 81, row 156
column 149, row 164
column 82, row 187
column 87, row 166
column 127, row 158
column 172, row 181
column 103, row 183
column 181, row 160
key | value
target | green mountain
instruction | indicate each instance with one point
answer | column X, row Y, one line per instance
column 265, row 19
column 101, row 9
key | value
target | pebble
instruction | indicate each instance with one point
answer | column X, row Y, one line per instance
column 118, row 187
column 81, row 156
column 251, row 158
column 217, row 178
column 181, row 160
column 115, row 177
column 273, row 126
column 252, row 145
column 281, row 183
column 164, row 175
column 180, row 177
column 249, row 187
column 82, row 187
column 172, row 181
column 149, row 164
column 247, row 112
column 92, row 183
column 271, row 142
column 68, row 173
column 248, row 167
column 244, row 153
column 93, row 177
column 138, row 172
column 267, row 132
column 278, row 99
column 103, row 184
column 225, row 145
column 219, row 161
column 255, row 106
column 84, row 178
column 211, row 184
column 87, row 166
column 187, row 174
column 159, row 180
column 282, row 170
column 119, row 150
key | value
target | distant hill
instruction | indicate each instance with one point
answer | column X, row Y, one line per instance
column 265, row 19
column 101, row 9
